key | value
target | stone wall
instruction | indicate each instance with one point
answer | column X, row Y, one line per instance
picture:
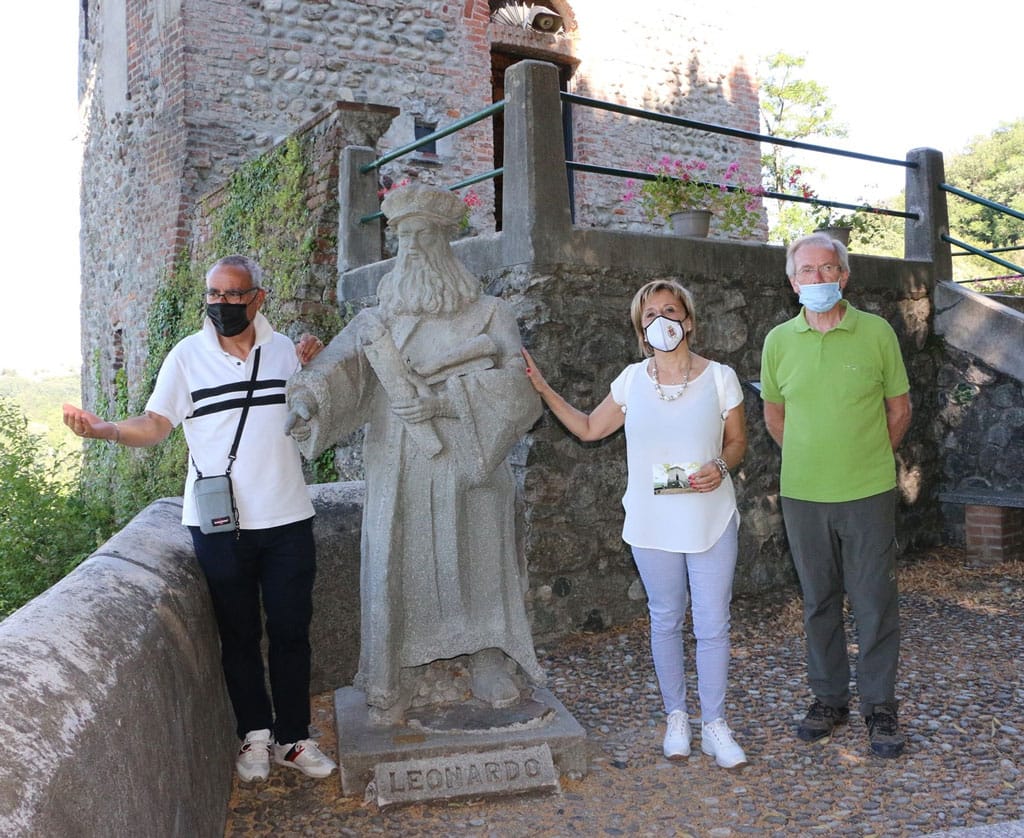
column 980, row 399
column 674, row 58
column 980, row 425
column 115, row 716
column 305, row 301
column 133, row 216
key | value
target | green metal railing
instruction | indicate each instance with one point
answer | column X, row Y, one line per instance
column 655, row 116
column 465, row 122
column 971, row 250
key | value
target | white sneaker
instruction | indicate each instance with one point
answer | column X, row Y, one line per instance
column 677, row 735
column 253, row 760
column 306, row 756
column 716, row 741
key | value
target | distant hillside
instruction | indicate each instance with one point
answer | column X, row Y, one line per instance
column 40, row 399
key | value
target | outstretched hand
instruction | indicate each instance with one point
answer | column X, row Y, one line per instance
column 85, row 424
column 534, row 374
column 372, row 328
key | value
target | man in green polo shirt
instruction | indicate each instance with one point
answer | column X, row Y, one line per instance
column 836, row 399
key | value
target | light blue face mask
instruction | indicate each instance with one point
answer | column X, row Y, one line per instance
column 821, row 296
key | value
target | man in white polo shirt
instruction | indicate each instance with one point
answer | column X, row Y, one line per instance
column 225, row 384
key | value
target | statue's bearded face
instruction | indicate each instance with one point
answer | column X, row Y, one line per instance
column 427, row 278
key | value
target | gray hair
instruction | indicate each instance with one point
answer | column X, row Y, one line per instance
column 817, row 240
column 236, row 260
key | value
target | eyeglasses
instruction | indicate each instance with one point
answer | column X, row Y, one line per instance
column 232, row 295
column 824, row 270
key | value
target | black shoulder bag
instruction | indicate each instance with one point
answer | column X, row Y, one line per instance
column 215, row 499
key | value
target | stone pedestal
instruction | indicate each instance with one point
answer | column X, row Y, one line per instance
column 517, row 736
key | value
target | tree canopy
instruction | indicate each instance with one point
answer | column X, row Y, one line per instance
column 795, row 108
column 992, row 167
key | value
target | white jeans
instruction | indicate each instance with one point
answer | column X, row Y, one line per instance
column 710, row 577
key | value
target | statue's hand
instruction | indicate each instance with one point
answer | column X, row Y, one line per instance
column 372, row 328
column 302, row 407
column 421, row 408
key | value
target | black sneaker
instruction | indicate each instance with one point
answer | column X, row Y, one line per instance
column 821, row 720
column 884, row 731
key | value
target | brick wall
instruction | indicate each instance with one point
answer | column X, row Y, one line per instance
column 668, row 59
column 132, row 207
column 994, row 533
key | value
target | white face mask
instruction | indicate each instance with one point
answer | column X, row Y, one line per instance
column 820, row 297
column 664, row 333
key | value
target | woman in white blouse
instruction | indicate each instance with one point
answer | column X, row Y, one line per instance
column 685, row 429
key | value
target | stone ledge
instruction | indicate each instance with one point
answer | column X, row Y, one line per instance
column 984, row 497
column 115, row 718
column 980, row 326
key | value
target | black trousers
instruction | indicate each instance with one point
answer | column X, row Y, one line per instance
column 277, row 565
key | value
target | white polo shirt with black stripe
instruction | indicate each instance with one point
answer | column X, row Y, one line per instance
column 203, row 388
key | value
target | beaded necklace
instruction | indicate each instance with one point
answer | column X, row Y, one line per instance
column 657, row 384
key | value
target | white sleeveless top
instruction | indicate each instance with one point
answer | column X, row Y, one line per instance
column 664, row 441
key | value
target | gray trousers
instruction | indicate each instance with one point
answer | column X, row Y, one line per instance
column 848, row 546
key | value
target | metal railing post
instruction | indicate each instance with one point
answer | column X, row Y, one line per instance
column 535, row 203
column 923, row 237
column 358, row 244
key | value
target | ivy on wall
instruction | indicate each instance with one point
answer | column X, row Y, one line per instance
column 264, row 213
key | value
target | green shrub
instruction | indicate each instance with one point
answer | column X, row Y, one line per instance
column 47, row 525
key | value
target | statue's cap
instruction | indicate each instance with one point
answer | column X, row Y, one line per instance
column 431, row 202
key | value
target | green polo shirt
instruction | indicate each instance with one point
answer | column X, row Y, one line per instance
column 835, row 444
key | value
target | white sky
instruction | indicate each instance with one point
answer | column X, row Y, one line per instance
column 897, row 90
column 39, row 221
column 956, row 80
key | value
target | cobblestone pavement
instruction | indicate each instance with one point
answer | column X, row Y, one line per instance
column 962, row 707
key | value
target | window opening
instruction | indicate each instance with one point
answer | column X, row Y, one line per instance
column 422, row 129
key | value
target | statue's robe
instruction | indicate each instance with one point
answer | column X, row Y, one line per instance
column 441, row 574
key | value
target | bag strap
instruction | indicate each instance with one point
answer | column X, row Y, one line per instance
column 241, row 419
column 716, row 368
column 245, row 411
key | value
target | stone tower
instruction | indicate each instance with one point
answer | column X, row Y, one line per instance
column 177, row 93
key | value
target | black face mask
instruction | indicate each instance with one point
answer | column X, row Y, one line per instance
column 229, row 319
